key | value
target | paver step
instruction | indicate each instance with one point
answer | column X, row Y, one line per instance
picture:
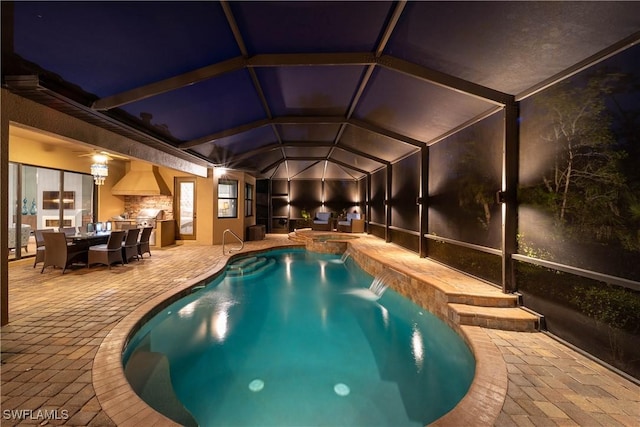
column 297, row 237
column 507, row 318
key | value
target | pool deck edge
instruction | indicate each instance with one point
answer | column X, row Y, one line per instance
column 480, row 406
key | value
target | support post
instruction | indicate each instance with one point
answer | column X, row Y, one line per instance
column 387, row 206
column 424, row 196
column 510, row 165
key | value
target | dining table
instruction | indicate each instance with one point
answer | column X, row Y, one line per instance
column 89, row 239
column 81, row 242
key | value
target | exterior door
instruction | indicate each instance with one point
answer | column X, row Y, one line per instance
column 185, row 208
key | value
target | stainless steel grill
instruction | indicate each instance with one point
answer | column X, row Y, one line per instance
column 148, row 217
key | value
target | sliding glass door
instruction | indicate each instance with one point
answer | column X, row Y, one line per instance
column 44, row 198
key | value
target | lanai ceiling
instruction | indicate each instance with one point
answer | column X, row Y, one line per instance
column 299, row 90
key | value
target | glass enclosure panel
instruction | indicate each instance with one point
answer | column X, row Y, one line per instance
column 339, row 196
column 306, row 198
column 480, row 264
column 579, row 175
column 405, row 213
column 601, row 318
column 465, row 172
column 378, row 196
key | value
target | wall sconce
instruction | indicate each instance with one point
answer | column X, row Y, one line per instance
column 99, row 168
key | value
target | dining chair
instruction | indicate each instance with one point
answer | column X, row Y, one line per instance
column 59, row 253
column 143, row 243
column 40, row 249
column 69, row 231
column 130, row 245
column 107, row 253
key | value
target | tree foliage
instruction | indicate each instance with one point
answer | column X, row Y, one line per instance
column 585, row 187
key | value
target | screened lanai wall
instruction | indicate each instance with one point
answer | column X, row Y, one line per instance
column 400, row 101
column 578, row 206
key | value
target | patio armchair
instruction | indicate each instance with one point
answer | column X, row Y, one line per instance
column 354, row 223
column 130, row 245
column 58, row 252
column 25, row 232
column 107, row 253
column 322, row 221
column 143, row 243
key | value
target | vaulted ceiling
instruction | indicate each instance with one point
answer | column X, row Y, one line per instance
column 299, row 90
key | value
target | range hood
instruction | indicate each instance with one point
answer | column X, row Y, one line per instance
column 142, row 179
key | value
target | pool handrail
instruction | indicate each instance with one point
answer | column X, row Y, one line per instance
column 224, row 235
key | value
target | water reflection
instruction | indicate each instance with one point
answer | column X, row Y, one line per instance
column 417, row 347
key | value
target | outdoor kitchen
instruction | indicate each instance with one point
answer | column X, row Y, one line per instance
column 148, row 201
column 149, row 211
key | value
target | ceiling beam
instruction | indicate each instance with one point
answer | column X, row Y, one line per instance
column 235, row 29
column 233, row 25
column 364, row 81
column 348, row 166
column 447, row 81
column 391, row 25
column 305, row 169
column 310, row 59
column 172, row 83
column 362, row 153
column 299, row 59
column 300, row 120
column 225, row 133
column 385, row 132
column 312, row 159
column 270, row 147
column 284, row 120
column 466, row 124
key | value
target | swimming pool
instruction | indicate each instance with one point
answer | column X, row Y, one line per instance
column 291, row 337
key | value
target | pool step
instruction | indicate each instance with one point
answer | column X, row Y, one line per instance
column 251, row 266
column 296, row 237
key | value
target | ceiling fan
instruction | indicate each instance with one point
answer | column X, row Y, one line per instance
column 103, row 155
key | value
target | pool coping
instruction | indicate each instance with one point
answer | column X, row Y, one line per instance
column 480, row 406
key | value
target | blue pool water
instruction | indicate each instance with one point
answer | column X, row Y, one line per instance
column 301, row 341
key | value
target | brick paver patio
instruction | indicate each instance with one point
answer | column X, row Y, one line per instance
column 58, row 322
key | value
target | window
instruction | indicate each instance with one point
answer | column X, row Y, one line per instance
column 248, row 200
column 227, row 198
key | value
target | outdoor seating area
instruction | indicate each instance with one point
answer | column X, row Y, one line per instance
column 353, row 223
column 322, row 221
column 67, row 246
